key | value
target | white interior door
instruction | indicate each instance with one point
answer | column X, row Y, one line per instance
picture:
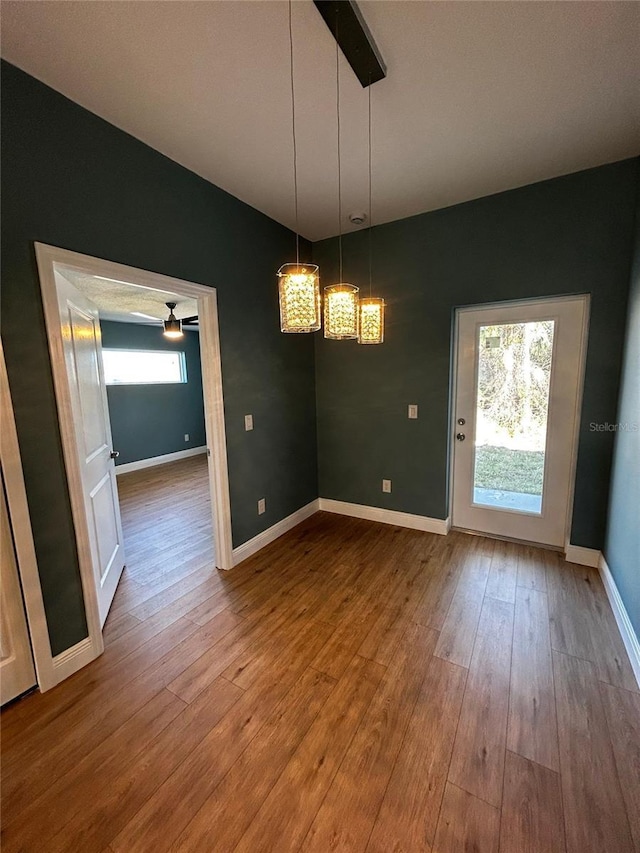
column 519, row 369
column 83, row 358
column 17, row 673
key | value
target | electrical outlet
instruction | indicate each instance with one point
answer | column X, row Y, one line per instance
column 262, row 506
column 386, row 486
column 413, row 411
column 248, row 422
column 186, row 436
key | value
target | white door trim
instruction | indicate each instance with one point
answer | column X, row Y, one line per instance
column 22, row 536
column 48, row 257
column 578, row 399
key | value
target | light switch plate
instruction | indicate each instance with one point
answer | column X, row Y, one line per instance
column 262, row 506
column 413, row 411
column 386, row 486
column 248, row 422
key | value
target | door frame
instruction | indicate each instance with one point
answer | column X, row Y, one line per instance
column 50, row 257
column 453, row 385
column 47, row 674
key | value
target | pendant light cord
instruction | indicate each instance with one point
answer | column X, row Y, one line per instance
column 293, row 122
column 370, row 222
column 339, row 172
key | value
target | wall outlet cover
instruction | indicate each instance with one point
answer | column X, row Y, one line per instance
column 186, row 436
column 248, row 422
column 413, row 411
column 386, row 486
column 262, row 506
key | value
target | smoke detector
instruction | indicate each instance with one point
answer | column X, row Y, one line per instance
column 358, row 218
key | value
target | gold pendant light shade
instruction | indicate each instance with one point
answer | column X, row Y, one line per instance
column 371, row 326
column 346, row 317
column 299, row 291
column 341, row 312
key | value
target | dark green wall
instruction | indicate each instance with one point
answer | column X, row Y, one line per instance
column 72, row 180
column 150, row 420
column 622, row 546
column 566, row 236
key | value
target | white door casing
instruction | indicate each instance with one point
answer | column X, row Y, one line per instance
column 51, row 259
column 83, row 356
column 17, row 673
column 49, row 670
column 550, row 526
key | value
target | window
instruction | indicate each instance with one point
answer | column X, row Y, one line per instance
column 143, row 367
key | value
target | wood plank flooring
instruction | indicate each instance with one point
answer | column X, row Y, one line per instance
column 352, row 687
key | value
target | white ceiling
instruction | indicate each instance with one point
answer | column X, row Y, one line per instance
column 124, row 302
column 480, row 96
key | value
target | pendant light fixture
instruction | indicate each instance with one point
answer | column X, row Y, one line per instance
column 340, row 300
column 298, row 284
column 172, row 326
column 371, row 325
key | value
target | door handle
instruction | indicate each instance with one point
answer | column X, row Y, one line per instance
column 114, row 454
column 460, row 436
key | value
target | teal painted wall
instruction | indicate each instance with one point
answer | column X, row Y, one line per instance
column 565, row 236
column 622, row 546
column 72, row 180
column 151, row 420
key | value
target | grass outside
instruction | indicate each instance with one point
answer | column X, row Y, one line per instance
column 509, row 470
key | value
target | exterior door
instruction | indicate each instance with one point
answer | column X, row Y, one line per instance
column 83, row 358
column 519, row 370
column 17, row 673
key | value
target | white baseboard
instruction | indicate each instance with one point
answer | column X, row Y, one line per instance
column 629, row 636
column 73, row 659
column 371, row 513
column 387, row 516
column 582, row 556
column 159, row 460
column 247, row 549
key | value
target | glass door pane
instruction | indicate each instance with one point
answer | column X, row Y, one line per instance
column 512, row 402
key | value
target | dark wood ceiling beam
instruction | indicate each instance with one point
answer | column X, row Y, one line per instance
column 349, row 29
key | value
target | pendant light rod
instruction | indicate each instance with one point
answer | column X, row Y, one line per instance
column 370, row 222
column 298, row 284
column 293, row 128
column 371, row 311
column 339, row 168
column 341, row 301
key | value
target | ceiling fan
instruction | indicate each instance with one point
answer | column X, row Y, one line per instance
column 173, row 326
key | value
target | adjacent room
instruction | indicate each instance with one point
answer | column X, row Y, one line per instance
column 320, row 440
column 153, row 404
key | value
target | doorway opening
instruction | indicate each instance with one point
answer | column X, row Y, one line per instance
column 519, row 369
column 155, row 404
column 86, row 300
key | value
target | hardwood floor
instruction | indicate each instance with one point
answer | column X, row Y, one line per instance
column 352, row 687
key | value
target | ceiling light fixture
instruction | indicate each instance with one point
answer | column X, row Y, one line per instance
column 371, row 325
column 172, row 326
column 298, row 284
column 340, row 300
